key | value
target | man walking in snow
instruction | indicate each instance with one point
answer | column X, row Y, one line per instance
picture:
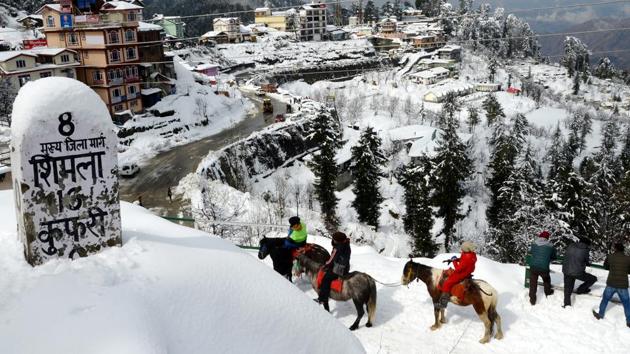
column 618, row 265
column 576, row 258
column 543, row 253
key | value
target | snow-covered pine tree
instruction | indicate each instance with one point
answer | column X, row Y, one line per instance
column 620, row 222
column 576, row 56
column 605, row 69
column 493, row 109
column 576, row 84
column 473, row 118
column 370, row 12
column 325, row 132
column 525, row 214
column 624, row 157
column 492, row 69
column 557, row 154
column 418, row 219
column 7, row 96
column 367, row 158
column 449, row 108
column 452, row 166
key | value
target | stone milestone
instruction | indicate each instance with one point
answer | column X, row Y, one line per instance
column 65, row 171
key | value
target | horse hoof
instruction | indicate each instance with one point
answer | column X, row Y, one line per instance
column 499, row 335
column 352, row 328
column 435, row 327
column 368, row 325
column 444, row 320
column 484, row 340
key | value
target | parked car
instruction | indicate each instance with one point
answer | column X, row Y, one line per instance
column 129, row 170
column 279, row 118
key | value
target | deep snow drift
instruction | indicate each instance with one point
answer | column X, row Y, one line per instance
column 169, row 289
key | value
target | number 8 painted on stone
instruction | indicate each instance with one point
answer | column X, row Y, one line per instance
column 66, row 128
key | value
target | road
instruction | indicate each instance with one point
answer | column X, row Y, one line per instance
column 168, row 168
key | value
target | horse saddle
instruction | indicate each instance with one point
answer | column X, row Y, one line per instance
column 302, row 250
column 460, row 289
column 336, row 285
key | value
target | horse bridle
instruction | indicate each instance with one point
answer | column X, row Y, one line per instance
column 413, row 267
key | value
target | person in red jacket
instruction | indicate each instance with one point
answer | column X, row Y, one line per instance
column 464, row 267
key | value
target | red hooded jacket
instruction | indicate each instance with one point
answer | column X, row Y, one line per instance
column 464, row 267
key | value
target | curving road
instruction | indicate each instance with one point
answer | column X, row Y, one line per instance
column 168, row 168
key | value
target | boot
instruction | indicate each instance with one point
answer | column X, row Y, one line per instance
column 596, row 315
column 443, row 301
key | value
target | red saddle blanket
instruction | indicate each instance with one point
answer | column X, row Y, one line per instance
column 459, row 289
column 302, row 250
column 336, row 285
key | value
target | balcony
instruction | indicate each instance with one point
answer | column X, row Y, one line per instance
column 116, row 81
column 132, row 79
column 118, row 99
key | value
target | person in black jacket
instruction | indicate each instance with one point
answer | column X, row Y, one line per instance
column 576, row 258
column 337, row 266
column 618, row 265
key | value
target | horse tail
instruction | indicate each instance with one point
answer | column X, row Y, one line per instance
column 371, row 303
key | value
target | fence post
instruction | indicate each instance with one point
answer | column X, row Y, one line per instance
column 528, row 259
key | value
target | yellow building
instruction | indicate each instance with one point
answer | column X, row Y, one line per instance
column 285, row 21
column 107, row 45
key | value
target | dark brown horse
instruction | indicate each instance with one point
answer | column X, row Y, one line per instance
column 359, row 287
column 481, row 295
column 282, row 258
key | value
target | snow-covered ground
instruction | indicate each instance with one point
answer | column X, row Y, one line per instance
column 168, row 289
column 199, row 113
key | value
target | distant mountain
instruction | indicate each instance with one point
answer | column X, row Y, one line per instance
column 597, row 42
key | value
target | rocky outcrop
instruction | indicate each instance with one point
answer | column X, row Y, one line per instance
column 263, row 152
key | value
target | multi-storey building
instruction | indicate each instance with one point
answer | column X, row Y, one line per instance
column 230, row 26
column 20, row 67
column 107, row 43
column 285, row 21
column 173, row 26
column 157, row 70
column 313, row 22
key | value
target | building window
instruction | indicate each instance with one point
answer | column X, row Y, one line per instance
column 130, row 36
column 131, row 90
column 73, row 39
column 46, row 74
column 119, row 74
column 131, row 53
column 132, row 17
column 113, row 37
column 62, row 37
column 70, row 73
column 65, row 58
column 20, row 63
column 24, row 79
column 133, row 104
column 116, row 92
column 114, row 56
column 97, row 76
column 50, row 21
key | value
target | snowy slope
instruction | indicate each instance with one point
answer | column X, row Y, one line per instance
column 404, row 314
column 169, row 289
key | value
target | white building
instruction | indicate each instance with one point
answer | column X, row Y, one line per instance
column 21, row 67
column 313, row 22
column 487, row 87
column 430, row 76
column 438, row 94
column 231, row 26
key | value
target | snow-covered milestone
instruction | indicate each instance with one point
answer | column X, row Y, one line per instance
column 65, row 173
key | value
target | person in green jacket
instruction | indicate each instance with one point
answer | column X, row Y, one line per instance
column 543, row 253
column 297, row 234
column 618, row 265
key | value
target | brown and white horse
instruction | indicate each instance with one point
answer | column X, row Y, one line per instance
column 481, row 295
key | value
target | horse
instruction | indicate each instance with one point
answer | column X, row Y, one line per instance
column 481, row 295
column 360, row 287
column 282, row 257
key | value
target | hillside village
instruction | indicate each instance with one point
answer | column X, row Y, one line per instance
column 411, row 132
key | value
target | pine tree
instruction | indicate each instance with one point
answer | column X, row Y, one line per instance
column 619, row 220
column 449, row 108
column 325, row 133
column 624, row 157
column 576, row 56
column 493, row 109
column 7, row 96
column 452, row 168
column 367, row 157
column 492, row 69
column 576, row 84
column 370, row 13
column 605, row 69
column 473, row 118
column 418, row 220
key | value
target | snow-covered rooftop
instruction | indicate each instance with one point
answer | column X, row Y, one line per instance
column 427, row 74
column 120, row 5
column 411, row 132
column 145, row 26
column 4, row 56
